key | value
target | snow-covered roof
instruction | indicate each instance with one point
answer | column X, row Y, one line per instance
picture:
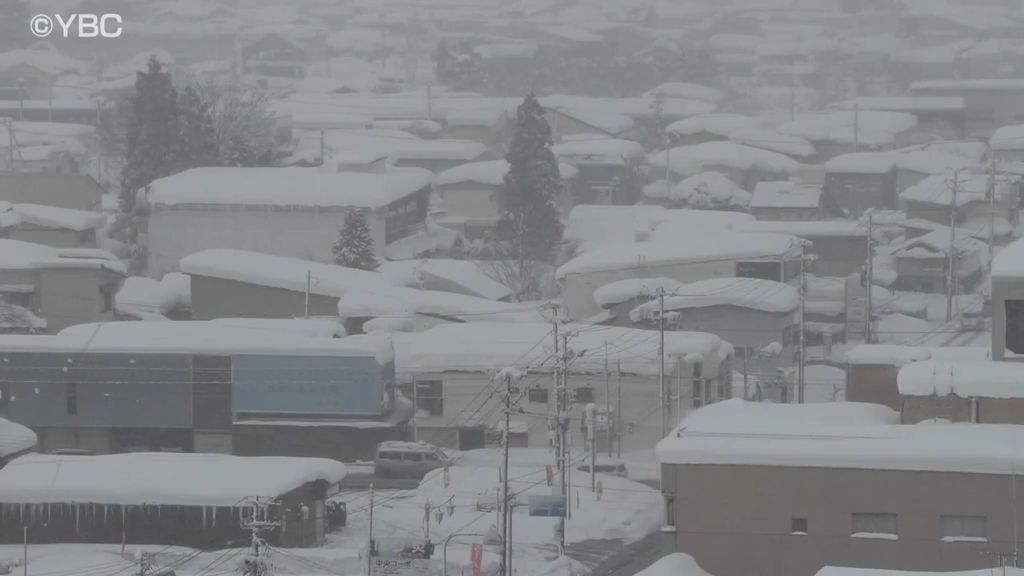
column 467, row 276
column 604, row 150
column 1009, row 262
column 700, row 190
column 936, row 244
column 890, row 355
column 48, row 60
column 163, row 478
column 808, row 229
column 675, row 564
column 932, row 161
column 56, row 217
column 490, row 173
column 770, row 139
column 687, row 90
column 937, row 189
column 286, row 187
column 590, row 114
column 15, row 438
column 903, row 103
column 703, row 246
column 862, row 163
column 785, row 194
column 870, row 128
column 848, row 571
column 18, row 255
column 379, row 301
column 484, row 347
column 140, row 294
column 721, row 124
column 965, row 379
column 279, row 271
column 837, row 435
column 689, row 160
column 991, row 84
column 753, row 293
column 632, row 288
column 1008, row 138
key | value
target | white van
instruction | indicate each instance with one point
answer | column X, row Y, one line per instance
column 407, row 459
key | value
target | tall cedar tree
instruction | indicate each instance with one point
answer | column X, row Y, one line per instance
column 529, row 219
column 153, row 142
column 198, row 134
column 354, row 246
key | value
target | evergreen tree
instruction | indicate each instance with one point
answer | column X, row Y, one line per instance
column 529, row 220
column 198, row 135
column 153, row 141
column 354, row 246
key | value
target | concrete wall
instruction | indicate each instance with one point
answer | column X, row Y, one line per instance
column 470, row 200
column 76, row 191
column 69, row 296
column 957, row 409
column 218, row 298
column 736, row 520
column 1003, row 290
column 874, row 383
column 838, row 255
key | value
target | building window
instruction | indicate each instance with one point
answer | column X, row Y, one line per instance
column 1015, row 326
column 71, row 391
column 430, row 397
column 583, row 395
column 698, row 393
column 537, row 395
column 964, row 528
column 798, row 526
column 871, row 525
column 107, row 297
column 670, row 510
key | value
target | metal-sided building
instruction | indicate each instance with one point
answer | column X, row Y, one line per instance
column 198, row 386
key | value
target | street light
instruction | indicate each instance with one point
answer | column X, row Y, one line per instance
column 444, row 548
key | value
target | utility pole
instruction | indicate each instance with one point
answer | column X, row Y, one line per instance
column 10, row 142
column 24, row 535
column 607, row 402
column 415, row 409
column 856, row 127
column 323, row 159
column 991, row 211
column 506, row 535
column 562, row 420
column 869, row 278
column 800, row 336
column 21, row 99
column 618, row 409
column 309, row 282
column 951, row 272
column 666, row 405
column 370, row 548
column 591, row 428
column 99, row 142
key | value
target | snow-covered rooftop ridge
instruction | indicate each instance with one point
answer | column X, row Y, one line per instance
column 753, row 293
column 870, row 128
column 287, row 187
column 720, row 124
column 19, row 255
column 938, row 189
column 605, row 149
column 632, row 288
column 163, row 478
column 984, row 379
column 807, row 228
column 15, row 438
column 486, row 347
column 1009, row 262
column 704, row 246
column 490, row 173
column 1008, row 138
column 837, row 435
column 994, row 84
column 56, row 217
column 676, row 564
column 279, row 271
column 186, row 337
column 399, row 301
column 903, row 103
column 771, row 139
column 687, row 90
column 463, row 276
column 689, row 160
column 785, row 194
column 899, row 355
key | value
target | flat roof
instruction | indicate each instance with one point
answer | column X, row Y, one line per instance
column 162, row 478
column 838, row 435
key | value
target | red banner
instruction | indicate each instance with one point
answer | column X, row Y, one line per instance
column 476, row 556
column 550, row 472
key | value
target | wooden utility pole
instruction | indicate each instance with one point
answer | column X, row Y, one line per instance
column 506, row 533
column 951, row 272
column 666, row 405
column 869, row 278
column 370, row 548
column 800, row 336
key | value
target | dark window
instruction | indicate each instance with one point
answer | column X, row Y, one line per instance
column 964, row 528
column 583, row 395
column 107, row 297
column 798, row 526
column 762, row 270
column 538, row 395
column 72, row 398
column 413, row 457
column 865, row 524
column 1015, row 326
column 430, row 397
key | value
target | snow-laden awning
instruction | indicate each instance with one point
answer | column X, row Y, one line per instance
column 984, row 379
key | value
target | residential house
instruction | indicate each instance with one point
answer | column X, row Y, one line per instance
column 609, row 169
column 933, row 198
column 1007, row 143
column 684, row 257
column 788, row 200
column 64, row 190
column 448, row 369
column 922, row 262
column 839, row 246
column 50, row 225
column 291, row 212
column 470, row 196
column 979, row 392
column 489, row 125
column 991, row 103
column 744, row 165
column 861, row 181
column 1008, row 302
column 840, row 484
column 872, row 369
column 837, row 132
column 617, row 299
column 273, row 55
column 18, row 440
column 62, row 286
column 244, row 387
column 935, row 115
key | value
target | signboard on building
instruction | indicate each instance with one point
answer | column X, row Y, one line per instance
column 393, row 566
column 552, row 506
column 308, row 385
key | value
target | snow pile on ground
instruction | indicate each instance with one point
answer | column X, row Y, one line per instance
column 677, row 564
column 965, row 379
column 169, row 479
column 144, row 296
column 15, row 438
column 632, row 288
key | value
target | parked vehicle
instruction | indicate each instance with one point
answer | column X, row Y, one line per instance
column 407, row 459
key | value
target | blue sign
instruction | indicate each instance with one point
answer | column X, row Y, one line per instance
column 308, row 385
column 548, row 506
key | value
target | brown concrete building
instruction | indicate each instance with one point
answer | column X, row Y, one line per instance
column 779, row 490
column 872, row 369
column 979, row 391
column 1008, row 302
